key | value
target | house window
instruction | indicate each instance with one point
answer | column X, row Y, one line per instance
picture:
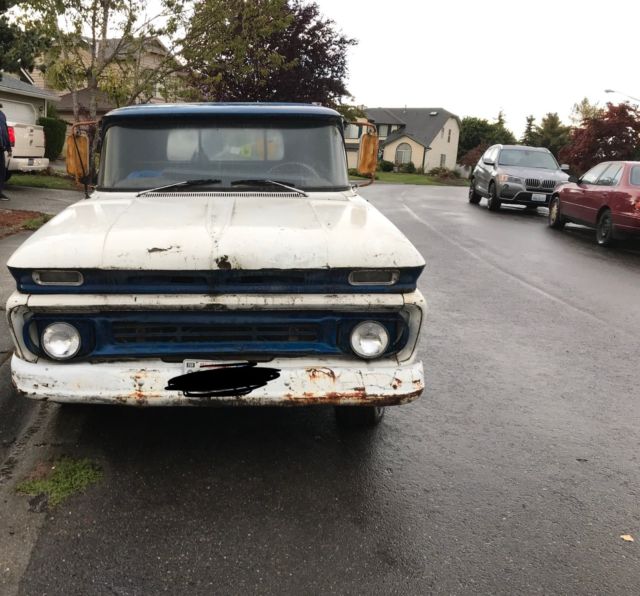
column 403, row 153
column 449, row 136
column 382, row 130
column 353, row 131
column 443, row 160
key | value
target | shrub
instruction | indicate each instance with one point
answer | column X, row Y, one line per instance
column 55, row 132
column 408, row 168
column 420, row 171
column 443, row 173
column 386, row 166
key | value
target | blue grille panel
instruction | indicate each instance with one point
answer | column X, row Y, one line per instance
column 179, row 334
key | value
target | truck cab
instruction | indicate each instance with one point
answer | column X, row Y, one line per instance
column 223, row 259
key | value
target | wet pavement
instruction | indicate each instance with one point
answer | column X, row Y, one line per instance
column 516, row 472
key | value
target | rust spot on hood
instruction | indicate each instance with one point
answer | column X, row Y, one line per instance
column 223, row 262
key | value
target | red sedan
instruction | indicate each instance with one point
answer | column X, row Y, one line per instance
column 606, row 198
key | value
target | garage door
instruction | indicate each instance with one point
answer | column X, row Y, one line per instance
column 18, row 112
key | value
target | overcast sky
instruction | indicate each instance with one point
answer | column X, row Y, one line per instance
column 477, row 57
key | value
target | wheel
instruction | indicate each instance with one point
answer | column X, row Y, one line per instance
column 556, row 219
column 358, row 416
column 293, row 165
column 494, row 202
column 474, row 197
column 604, row 228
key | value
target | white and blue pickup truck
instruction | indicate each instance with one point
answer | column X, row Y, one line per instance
column 223, row 258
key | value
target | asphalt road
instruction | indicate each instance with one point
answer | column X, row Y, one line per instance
column 517, row 472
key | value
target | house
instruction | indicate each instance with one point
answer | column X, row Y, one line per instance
column 428, row 137
column 23, row 102
column 147, row 62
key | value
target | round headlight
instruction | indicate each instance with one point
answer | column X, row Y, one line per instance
column 60, row 341
column 369, row 339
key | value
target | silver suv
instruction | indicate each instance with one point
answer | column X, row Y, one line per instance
column 516, row 174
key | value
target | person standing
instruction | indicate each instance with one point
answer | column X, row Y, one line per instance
column 5, row 145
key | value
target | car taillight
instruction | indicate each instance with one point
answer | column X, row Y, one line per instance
column 12, row 136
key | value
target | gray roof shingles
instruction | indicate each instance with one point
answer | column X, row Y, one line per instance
column 421, row 124
column 12, row 85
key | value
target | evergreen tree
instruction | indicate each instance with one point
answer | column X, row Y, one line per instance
column 552, row 134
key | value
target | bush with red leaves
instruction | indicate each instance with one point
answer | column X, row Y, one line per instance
column 612, row 135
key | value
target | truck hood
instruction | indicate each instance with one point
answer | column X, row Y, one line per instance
column 205, row 231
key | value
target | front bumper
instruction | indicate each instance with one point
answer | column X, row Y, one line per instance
column 301, row 382
column 28, row 164
column 524, row 197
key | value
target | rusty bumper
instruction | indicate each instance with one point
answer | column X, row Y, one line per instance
column 300, row 382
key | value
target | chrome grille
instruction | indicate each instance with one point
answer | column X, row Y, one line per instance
column 532, row 182
column 537, row 184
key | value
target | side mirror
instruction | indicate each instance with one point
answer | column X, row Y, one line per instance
column 368, row 152
column 488, row 161
column 565, row 167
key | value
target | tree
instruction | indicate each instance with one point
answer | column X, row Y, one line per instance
column 552, row 134
column 350, row 112
column 98, row 45
column 478, row 131
column 500, row 133
column 584, row 109
column 530, row 136
column 266, row 50
column 473, row 132
column 19, row 46
column 470, row 158
column 614, row 134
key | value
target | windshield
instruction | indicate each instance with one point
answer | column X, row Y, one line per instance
column 527, row 159
column 306, row 155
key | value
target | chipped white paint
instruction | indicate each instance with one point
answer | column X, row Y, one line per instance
column 120, row 231
column 302, row 382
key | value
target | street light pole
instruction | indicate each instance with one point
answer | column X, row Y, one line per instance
column 621, row 93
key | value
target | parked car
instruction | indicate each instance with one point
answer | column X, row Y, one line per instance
column 224, row 258
column 606, row 198
column 517, row 175
column 27, row 147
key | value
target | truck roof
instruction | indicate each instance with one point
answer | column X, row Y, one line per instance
column 224, row 110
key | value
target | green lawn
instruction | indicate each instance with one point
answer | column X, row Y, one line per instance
column 42, row 181
column 398, row 178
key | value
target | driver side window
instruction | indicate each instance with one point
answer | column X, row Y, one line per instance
column 611, row 175
column 594, row 173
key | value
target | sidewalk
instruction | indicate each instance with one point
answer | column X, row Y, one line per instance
column 44, row 200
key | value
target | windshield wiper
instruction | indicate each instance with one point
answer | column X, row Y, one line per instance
column 184, row 183
column 267, row 182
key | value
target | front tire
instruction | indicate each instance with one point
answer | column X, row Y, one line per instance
column 494, row 202
column 359, row 416
column 556, row 219
column 604, row 228
column 474, row 197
